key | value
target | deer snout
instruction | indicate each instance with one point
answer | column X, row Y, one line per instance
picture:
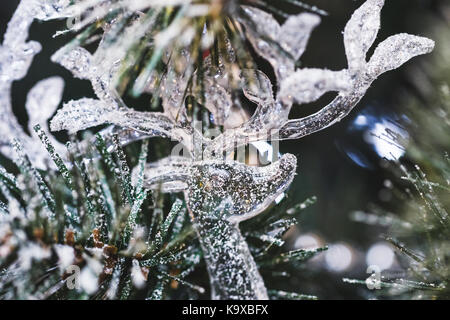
column 288, row 163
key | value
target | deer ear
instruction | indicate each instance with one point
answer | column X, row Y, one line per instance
column 265, row 39
column 168, row 175
column 308, row 85
column 360, row 33
column 270, row 30
column 397, row 50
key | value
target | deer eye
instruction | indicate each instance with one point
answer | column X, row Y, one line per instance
column 218, row 178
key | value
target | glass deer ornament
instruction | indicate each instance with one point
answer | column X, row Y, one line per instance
column 219, row 193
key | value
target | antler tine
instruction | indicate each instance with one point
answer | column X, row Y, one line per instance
column 359, row 35
column 308, row 85
column 43, row 98
column 109, row 108
column 281, row 46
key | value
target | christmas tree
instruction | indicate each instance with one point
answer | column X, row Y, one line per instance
column 140, row 200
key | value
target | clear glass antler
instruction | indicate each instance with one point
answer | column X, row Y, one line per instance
column 16, row 56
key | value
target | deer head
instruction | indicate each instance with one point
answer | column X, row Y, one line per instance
column 206, row 184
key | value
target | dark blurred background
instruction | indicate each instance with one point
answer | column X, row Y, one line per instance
column 342, row 166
